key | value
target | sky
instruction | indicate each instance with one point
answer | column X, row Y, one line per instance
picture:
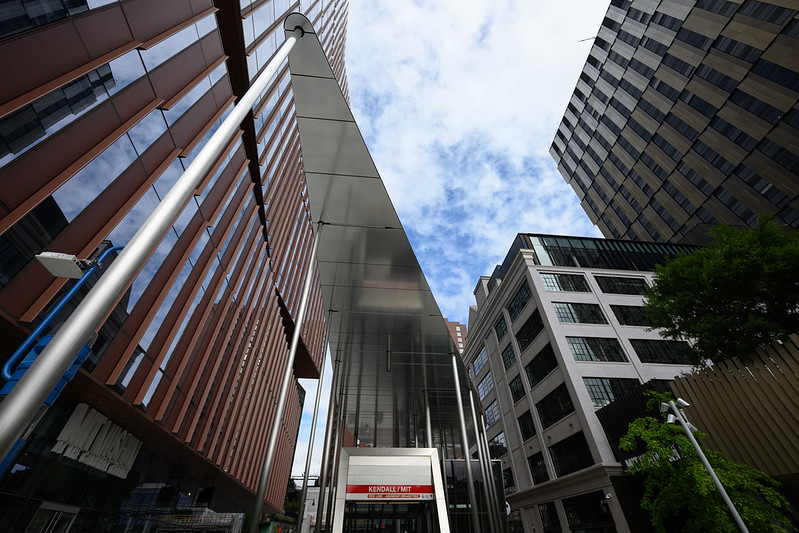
column 458, row 102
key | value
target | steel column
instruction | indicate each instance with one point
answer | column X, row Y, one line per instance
column 485, row 467
column 465, row 445
column 288, row 372
column 331, row 407
column 492, row 487
column 304, row 494
column 427, row 425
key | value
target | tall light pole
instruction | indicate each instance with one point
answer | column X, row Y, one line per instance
column 689, row 429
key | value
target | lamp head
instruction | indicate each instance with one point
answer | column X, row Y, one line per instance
column 682, row 403
column 664, row 407
column 671, row 419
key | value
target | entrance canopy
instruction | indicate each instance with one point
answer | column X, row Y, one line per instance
column 384, row 325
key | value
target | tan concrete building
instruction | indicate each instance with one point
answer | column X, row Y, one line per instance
column 557, row 333
column 458, row 333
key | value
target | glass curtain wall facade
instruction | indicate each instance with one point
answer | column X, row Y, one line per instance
column 685, row 115
column 104, row 105
column 548, row 380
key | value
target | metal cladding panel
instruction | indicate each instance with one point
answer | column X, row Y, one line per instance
column 384, row 324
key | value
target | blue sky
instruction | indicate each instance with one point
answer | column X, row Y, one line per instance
column 458, row 103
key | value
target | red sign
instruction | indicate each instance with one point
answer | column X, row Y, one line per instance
column 390, row 492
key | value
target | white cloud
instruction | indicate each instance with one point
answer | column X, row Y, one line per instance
column 458, row 103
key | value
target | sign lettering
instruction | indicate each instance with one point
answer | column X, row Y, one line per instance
column 90, row 438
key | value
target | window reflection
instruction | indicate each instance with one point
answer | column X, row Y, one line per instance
column 147, row 131
column 263, row 17
column 17, row 17
column 147, row 274
column 177, row 42
column 78, row 192
column 35, row 122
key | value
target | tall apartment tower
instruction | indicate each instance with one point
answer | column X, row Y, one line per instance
column 558, row 332
column 686, row 115
column 104, row 104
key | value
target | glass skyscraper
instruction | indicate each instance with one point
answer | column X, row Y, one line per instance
column 686, row 115
column 103, row 105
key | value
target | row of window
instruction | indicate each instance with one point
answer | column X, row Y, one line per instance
column 592, row 349
column 607, row 284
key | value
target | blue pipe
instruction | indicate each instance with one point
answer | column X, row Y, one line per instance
column 8, row 368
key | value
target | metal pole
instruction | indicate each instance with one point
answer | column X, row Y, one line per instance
column 484, row 466
column 710, row 471
column 331, row 501
column 492, row 486
column 22, row 404
column 284, row 387
column 427, row 425
column 465, row 445
column 304, row 493
column 325, row 452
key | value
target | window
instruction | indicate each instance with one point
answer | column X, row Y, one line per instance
column 661, row 351
column 596, row 349
column 529, row 331
column 565, row 282
column 516, row 388
column 616, row 285
column 485, row 386
column 508, row 356
column 526, row 425
column 538, row 468
column 541, row 365
column 571, row 454
column 480, row 361
column 722, row 7
column 604, row 390
column 497, row 446
column 510, row 486
column 770, row 13
column 492, row 414
column 589, row 512
column 518, row 302
column 501, row 328
column 631, row 315
column 554, row 406
column 549, row 517
column 579, row 313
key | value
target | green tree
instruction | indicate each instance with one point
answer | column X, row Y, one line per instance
column 679, row 493
column 738, row 293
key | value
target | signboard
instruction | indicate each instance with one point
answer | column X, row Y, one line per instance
column 387, row 478
column 390, row 492
column 90, row 438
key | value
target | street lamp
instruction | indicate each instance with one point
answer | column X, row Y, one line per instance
column 62, row 266
column 677, row 415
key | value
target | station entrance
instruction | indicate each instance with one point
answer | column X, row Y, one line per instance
column 396, row 490
column 400, row 517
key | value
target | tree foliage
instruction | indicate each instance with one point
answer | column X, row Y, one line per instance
column 739, row 293
column 679, row 493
